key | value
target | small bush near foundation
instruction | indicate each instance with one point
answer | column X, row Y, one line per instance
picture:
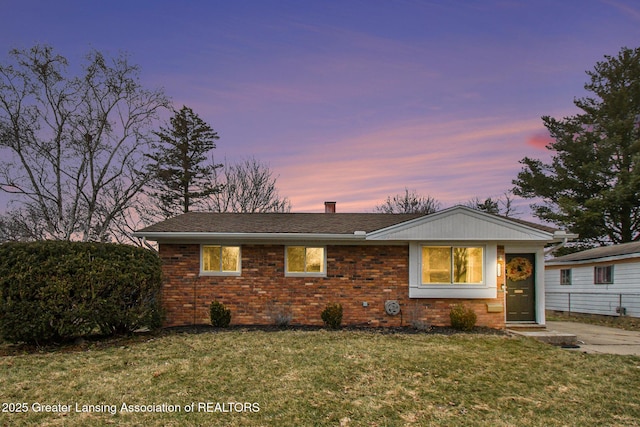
column 416, row 321
column 220, row 315
column 280, row 314
column 462, row 318
column 332, row 315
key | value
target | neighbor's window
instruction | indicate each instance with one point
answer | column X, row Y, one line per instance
column 565, row 276
column 305, row 260
column 452, row 265
column 220, row 259
column 603, row 275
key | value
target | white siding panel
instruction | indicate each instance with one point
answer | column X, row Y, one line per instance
column 462, row 226
column 587, row 297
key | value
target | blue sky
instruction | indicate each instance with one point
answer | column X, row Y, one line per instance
column 354, row 100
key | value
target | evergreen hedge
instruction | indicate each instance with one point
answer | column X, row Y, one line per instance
column 332, row 315
column 220, row 315
column 55, row 290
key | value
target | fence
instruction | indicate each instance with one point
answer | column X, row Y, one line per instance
column 609, row 304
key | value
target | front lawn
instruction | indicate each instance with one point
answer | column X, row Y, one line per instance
column 309, row 378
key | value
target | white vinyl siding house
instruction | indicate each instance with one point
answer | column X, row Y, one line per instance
column 603, row 281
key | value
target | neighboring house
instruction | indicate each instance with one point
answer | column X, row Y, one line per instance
column 385, row 269
column 603, row 280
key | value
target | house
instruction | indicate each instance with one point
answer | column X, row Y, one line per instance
column 603, row 280
column 385, row 269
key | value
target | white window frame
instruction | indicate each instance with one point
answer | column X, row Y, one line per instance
column 220, row 272
column 451, row 282
column 485, row 290
column 322, row 273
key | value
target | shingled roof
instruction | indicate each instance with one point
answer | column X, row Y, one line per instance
column 264, row 224
column 624, row 249
column 318, row 223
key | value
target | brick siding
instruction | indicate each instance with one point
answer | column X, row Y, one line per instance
column 355, row 275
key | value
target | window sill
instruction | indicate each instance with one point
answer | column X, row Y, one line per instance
column 305, row 274
column 452, row 291
column 221, row 273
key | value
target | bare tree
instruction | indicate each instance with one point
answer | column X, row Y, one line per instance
column 72, row 146
column 502, row 205
column 248, row 186
column 409, row 202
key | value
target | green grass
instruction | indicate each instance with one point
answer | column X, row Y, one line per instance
column 332, row 378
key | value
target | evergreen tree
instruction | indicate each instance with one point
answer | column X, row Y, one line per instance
column 592, row 185
column 180, row 167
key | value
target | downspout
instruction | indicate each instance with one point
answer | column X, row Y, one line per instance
column 552, row 249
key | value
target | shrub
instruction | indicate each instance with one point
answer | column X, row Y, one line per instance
column 281, row 315
column 332, row 315
column 462, row 318
column 57, row 290
column 416, row 314
column 220, row 315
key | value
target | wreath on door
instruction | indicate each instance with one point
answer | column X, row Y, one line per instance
column 518, row 269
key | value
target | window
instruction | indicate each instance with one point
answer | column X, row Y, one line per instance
column 305, row 260
column 220, row 259
column 565, row 276
column 603, row 275
column 452, row 265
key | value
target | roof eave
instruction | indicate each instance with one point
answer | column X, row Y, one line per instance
column 611, row 258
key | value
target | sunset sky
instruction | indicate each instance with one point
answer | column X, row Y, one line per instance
column 352, row 101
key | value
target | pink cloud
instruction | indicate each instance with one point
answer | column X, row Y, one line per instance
column 452, row 161
column 540, row 140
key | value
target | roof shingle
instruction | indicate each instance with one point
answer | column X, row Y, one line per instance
column 318, row 223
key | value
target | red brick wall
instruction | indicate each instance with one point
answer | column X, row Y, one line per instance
column 355, row 274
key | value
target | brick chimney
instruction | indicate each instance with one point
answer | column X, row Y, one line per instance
column 329, row 207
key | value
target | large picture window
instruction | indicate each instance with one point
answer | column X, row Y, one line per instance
column 220, row 259
column 452, row 265
column 305, row 260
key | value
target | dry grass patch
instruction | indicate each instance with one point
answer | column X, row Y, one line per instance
column 327, row 378
column 621, row 322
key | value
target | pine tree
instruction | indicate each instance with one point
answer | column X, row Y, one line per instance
column 592, row 185
column 180, row 166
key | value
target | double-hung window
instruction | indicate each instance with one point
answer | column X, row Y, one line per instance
column 603, row 275
column 565, row 276
column 452, row 265
column 220, row 259
column 305, row 260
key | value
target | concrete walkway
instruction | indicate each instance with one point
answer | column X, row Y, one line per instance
column 599, row 339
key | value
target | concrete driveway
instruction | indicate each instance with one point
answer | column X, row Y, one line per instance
column 600, row 339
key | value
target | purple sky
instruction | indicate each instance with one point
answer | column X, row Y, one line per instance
column 353, row 101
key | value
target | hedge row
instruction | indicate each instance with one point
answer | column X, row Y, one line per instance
column 54, row 290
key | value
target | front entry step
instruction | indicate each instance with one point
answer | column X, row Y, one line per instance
column 540, row 333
